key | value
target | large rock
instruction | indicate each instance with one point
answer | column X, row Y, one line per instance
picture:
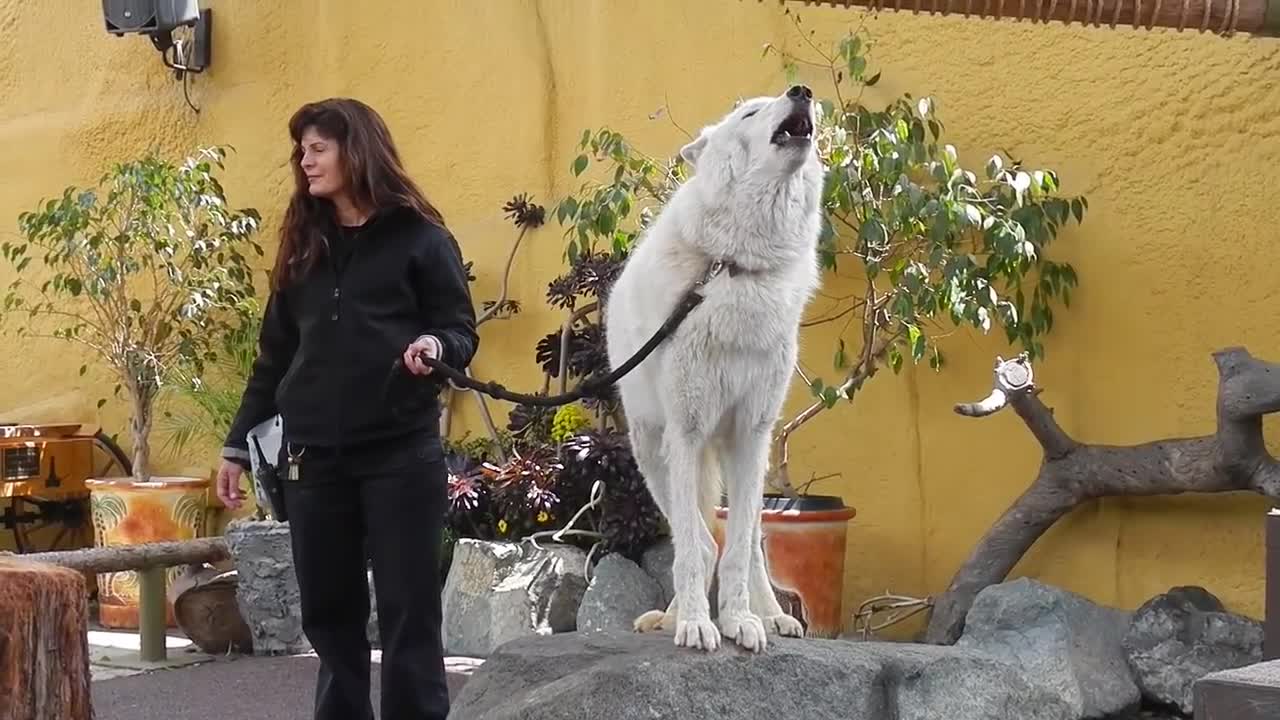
column 497, row 592
column 628, row 676
column 1181, row 636
column 657, row 562
column 1063, row 640
column 620, row 591
column 267, row 588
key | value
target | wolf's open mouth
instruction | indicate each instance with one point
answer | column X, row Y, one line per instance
column 796, row 126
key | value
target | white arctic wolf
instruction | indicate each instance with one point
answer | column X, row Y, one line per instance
column 703, row 405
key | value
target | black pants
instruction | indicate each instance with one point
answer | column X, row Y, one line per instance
column 384, row 502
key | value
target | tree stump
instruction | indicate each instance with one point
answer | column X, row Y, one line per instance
column 44, row 642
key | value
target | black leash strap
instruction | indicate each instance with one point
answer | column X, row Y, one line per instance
column 591, row 387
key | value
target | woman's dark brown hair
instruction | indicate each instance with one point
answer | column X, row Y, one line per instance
column 375, row 177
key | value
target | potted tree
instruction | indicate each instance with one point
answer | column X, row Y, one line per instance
column 930, row 244
column 210, row 396
column 150, row 271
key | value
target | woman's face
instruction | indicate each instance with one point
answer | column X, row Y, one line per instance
column 322, row 164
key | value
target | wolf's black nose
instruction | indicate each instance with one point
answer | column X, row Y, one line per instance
column 798, row 92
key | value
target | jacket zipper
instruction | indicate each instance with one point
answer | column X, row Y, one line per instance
column 335, row 316
column 337, row 278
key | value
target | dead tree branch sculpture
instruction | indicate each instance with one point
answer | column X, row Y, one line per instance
column 1234, row 458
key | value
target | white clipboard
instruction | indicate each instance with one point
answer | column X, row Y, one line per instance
column 269, row 433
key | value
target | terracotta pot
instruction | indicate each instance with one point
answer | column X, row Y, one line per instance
column 804, row 551
column 128, row 512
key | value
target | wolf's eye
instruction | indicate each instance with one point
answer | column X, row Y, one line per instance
column 753, row 112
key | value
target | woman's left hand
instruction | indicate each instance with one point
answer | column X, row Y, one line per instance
column 428, row 345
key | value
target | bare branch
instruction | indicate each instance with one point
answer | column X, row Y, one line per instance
column 102, row 349
column 1233, row 459
column 832, row 318
column 1014, row 385
column 991, row 404
column 873, row 348
column 506, row 279
column 487, row 418
column 566, row 332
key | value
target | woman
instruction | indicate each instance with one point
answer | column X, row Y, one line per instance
column 366, row 273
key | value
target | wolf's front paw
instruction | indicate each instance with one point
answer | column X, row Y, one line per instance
column 698, row 634
column 785, row 625
column 745, row 629
column 650, row 621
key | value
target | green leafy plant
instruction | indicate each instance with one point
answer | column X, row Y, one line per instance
column 929, row 244
column 212, row 397
column 525, row 215
column 478, row 449
column 149, row 270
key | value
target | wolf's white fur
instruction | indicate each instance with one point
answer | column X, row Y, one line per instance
column 702, row 407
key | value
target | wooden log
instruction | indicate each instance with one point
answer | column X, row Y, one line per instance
column 1222, row 17
column 204, row 601
column 44, row 643
column 1271, row 575
column 135, row 557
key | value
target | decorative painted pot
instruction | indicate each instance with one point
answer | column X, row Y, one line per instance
column 128, row 512
column 804, row 550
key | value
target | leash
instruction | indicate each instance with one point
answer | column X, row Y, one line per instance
column 593, row 387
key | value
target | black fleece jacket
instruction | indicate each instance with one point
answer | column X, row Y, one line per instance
column 330, row 339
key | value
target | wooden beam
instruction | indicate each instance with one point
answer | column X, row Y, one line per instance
column 134, row 557
column 1251, row 692
column 1271, row 578
column 1222, row 17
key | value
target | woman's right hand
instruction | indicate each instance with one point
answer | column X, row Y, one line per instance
column 228, row 484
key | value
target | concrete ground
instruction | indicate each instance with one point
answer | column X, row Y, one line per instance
column 190, row 685
column 114, row 653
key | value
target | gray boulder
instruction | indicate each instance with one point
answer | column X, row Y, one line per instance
column 627, row 676
column 657, row 561
column 267, row 588
column 497, row 592
column 1179, row 637
column 620, row 591
column 1066, row 642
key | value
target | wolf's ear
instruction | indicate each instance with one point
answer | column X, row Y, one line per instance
column 693, row 150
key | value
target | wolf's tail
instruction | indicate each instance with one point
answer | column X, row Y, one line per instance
column 711, row 484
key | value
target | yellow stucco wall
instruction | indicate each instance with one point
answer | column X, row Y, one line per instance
column 1174, row 137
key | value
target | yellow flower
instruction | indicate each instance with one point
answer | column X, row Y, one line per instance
column 569, row 419
column 502, row 526
column 543, row 516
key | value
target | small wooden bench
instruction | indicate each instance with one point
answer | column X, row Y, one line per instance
column 1248, row 693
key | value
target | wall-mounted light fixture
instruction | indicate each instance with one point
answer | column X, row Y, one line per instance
column 157, row 19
